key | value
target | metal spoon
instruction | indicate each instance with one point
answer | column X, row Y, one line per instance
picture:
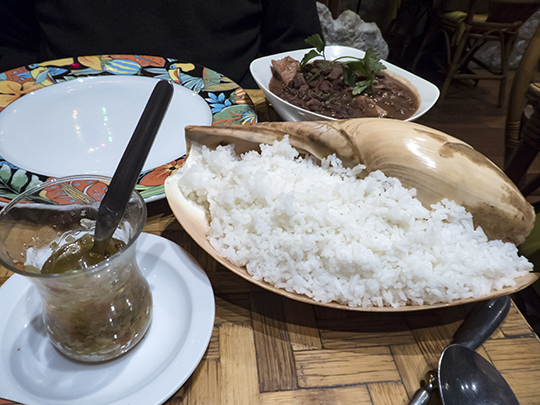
column 475, row 330
column 113, row 205
column 466, row 378
column 83, row 253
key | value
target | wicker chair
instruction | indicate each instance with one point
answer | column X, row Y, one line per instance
column 517, row 101
column 528, row 147
column 466, row 32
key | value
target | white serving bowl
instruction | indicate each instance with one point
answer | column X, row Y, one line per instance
column 261, row 71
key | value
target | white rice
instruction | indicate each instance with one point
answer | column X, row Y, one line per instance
column 324, row 232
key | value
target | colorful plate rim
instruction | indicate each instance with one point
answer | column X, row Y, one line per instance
column 228, row 102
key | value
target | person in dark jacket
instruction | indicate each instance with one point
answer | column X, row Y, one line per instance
column 224, row 35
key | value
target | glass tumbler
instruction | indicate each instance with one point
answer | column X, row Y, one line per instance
column 92, row 314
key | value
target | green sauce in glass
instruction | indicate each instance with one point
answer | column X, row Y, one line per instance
column 78, row 255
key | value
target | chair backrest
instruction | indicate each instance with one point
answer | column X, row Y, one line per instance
column 517, row 101
column 528, row 148
column 509, row 11
column 479, row 6
column 498, row 11
column 475, row 7
column 470, row 7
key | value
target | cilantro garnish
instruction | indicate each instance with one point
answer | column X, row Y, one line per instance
column 367, row 67
column 319, row 44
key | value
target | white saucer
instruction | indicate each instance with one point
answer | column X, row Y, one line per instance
column 33, row 372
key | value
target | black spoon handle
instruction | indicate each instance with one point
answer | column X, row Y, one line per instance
column 113, row 205
column 482, row 322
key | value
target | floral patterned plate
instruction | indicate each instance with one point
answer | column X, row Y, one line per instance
column 229, row 104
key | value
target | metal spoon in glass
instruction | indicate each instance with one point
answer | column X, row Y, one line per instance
column 114, row 203
column 85, row 251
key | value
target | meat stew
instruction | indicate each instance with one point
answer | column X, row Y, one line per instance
column 319, row 87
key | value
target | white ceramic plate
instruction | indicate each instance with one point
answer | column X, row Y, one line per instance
column 76, row 115
column 84, row 125
column 262, row 73
column 33, row 372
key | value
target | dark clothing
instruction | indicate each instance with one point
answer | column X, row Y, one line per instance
column 224, row 35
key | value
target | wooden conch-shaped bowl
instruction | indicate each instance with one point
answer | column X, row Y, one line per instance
column 437, row 165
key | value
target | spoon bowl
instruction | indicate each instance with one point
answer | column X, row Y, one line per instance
column 473, row 332
column 466, row 378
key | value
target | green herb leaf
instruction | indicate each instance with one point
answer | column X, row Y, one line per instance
column 308, row 56
column 361, row 86
column 372, row 61
column 317, row 42
column 356, row 65
column 365, row 68
column 349, row 75
column 368, row 67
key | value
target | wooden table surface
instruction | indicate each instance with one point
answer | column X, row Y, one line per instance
column 267, row 349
